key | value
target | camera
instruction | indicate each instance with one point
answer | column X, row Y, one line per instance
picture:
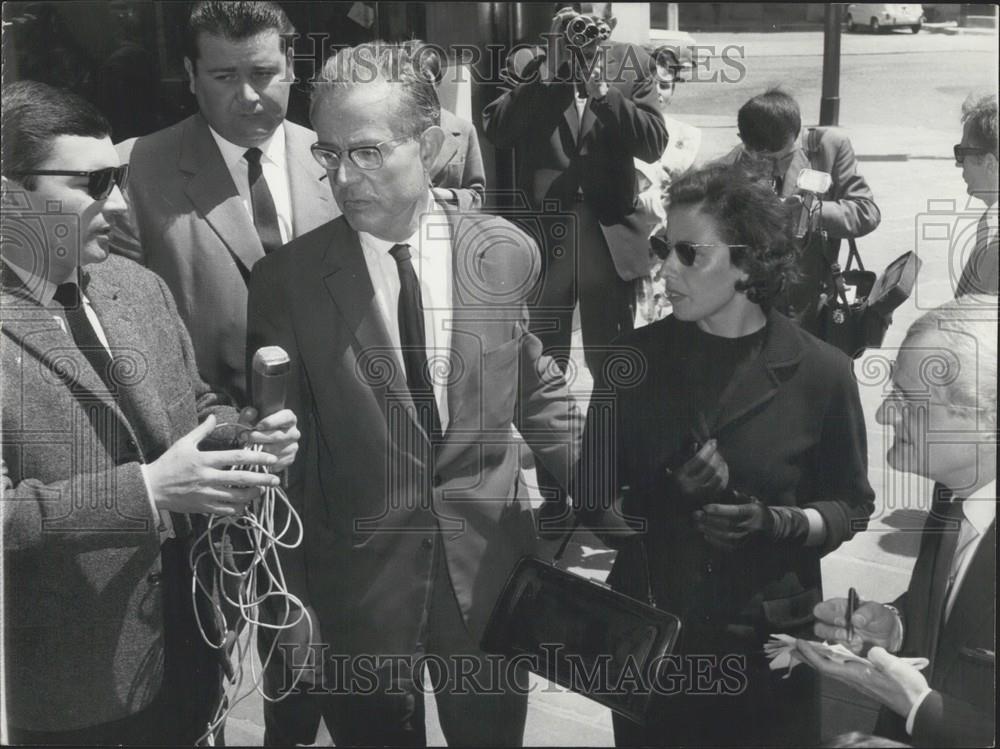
column 583, row 30
column 810, row 185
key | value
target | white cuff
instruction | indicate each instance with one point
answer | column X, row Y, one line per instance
column 913, row 710
column 817, row 527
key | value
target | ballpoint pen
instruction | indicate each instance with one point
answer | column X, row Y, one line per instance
column 852, row 606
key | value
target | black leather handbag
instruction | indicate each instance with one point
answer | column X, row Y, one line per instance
column 582, row 635
column 856, row 311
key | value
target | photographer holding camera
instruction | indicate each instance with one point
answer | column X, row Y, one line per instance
column 578, row 110
column 770, row 126
column 743, row 450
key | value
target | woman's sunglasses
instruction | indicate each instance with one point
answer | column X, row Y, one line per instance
column 686, row 251
column 100, row 182
column 962, row 151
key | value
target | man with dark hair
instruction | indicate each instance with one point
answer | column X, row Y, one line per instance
column 104, row 472
column 405, row 321
column 211, row 195
column 977, row 157
column 769, row 126
column 577, row 116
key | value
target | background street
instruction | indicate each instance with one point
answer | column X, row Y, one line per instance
column 901, row 97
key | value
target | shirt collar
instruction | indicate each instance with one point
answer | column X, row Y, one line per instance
column 376, row 247
column 39, row 288
column 273, row 149
column 980, row 509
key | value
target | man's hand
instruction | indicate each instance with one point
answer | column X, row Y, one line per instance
column 874, row 624
column 597, row 87
column 558, row 32
column 278, row 434
column 704, row 475
column 729, row 526
column 301, row 645
column 889, row 680
column 186, row 479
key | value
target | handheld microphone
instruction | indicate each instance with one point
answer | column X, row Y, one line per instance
column 269, row 380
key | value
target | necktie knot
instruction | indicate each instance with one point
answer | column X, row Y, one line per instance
column 253, row 155
column 68, row 295
column 400, row 252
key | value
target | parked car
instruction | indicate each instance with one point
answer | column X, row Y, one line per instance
column 878, row 16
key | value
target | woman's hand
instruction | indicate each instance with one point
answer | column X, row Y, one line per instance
column 704, row 475
column 729, row 526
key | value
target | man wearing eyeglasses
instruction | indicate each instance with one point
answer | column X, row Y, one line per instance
column 976, row 155
column 943, row 414
column 213, row 194
column 105, row 475
column 770, row 128
column 405, row 321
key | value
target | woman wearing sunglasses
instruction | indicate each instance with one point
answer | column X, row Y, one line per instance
column 743, row 449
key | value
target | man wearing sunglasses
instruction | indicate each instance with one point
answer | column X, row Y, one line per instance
column 405, row 321
column 105, row 475
column 976, row 155
column 213, row 194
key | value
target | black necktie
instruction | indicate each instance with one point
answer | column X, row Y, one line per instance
column 265, row 216
column 69, row 296
column 410, row 313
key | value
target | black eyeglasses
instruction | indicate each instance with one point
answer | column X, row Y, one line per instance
column 368, row 158
column 100, row 182
column 962, row 151
column 686, row 251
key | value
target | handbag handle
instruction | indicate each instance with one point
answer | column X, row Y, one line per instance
column 650, row 598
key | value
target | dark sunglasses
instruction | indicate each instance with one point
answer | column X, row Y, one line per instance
column 962, row 151
column 100, row 182
column 686, row 251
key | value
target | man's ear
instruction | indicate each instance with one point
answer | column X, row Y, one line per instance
column 290, row 64
column 612, row 22
column 189, row 67
column 431, row 143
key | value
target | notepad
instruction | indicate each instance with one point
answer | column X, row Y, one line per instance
column 783, row 654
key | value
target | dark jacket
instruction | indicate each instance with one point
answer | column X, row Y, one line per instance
column 558, row 153
column 961, row 711
column 792, row 433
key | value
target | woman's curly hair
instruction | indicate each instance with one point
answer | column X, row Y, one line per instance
column 747, row 211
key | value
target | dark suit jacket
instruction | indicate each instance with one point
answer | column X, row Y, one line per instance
column 792, row 433
column 371, row 488
column 459, row 167
column 83, row 606
column 558, row 153
column 961, row 711
column 188, row 224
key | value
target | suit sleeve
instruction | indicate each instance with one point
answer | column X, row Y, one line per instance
column 269, row 324
column 531, row 101
column 848, row 499
column 474, row 177
column 947, row 721
column 634, row 117
column 852, row 212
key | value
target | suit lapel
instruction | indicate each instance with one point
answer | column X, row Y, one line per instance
column 311, row 199
column 214, row 195
column 758, row 382
column 572, row 116
column 975, row 597
column 349, row 285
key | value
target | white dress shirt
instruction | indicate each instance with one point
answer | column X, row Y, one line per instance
column 978, row 512
column 273, row 165
column 431, row 252
column 44, row 291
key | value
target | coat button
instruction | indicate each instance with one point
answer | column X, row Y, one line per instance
column 426, row 543
column 153, row 578
column 130, row 444
column 708, row 568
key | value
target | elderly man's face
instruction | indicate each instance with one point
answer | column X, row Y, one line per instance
column 387, row 201
column 931, row 438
